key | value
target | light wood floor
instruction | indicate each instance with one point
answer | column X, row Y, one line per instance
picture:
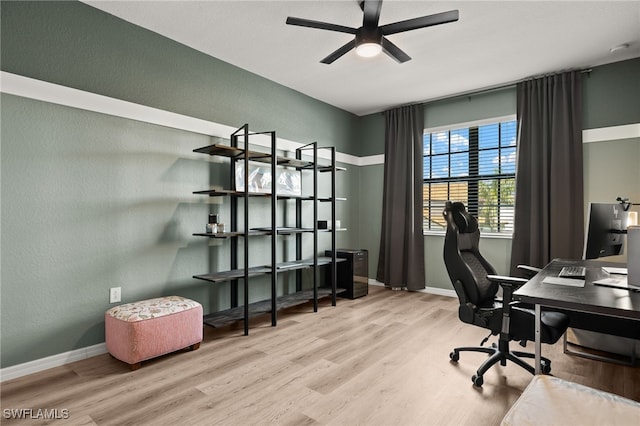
column 379, row 360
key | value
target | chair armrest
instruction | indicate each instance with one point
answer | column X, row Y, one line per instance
column 509, row 281
column 530, row 271
column 508, row 284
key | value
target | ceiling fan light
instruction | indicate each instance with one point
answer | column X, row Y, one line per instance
column 368, row 50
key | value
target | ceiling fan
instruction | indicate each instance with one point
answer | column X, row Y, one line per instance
column 370, row 39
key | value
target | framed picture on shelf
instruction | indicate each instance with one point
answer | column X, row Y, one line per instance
column 288, row 182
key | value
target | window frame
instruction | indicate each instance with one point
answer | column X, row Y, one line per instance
column 468, row 125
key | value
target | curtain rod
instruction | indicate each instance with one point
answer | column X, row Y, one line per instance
column 497, row 87
column 483, row 90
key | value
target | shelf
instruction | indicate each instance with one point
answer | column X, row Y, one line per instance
column 254, row 231
column 229, row 192
column 241, row 151
column 294, row 162
column 230, row 316
column 231, row 152
column 232, row 193
column 289, row 231
column 262, row 157
column 307, row 263
column 218, row 277
column 234, row 274
column 295, row 197
column 329, row 199
column 323, row 169
column 224, row 235
column 284, row 230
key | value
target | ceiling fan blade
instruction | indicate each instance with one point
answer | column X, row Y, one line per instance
column 338, row 53
column 394, row 51
column 371, row 10
column 319, row 25
column 424, row 21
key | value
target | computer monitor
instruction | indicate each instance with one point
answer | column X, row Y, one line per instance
column 606, row 224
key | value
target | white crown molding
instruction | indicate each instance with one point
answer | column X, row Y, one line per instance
column 627, row 131
column 26, row 87
column 371, row 160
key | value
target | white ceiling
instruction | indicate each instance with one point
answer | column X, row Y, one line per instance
column 493, row 43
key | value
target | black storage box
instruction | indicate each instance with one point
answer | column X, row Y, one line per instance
column 352, row 274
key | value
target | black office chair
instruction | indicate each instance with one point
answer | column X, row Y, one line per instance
column 476, row 284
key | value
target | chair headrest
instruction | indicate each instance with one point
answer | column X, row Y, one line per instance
column 465, row 222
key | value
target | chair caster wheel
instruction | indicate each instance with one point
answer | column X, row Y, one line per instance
column 545, row 367
column 455, row 356
column 477, row 380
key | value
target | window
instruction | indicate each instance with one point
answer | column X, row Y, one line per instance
column 475, row 165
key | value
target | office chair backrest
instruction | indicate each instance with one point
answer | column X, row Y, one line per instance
column 467, row 268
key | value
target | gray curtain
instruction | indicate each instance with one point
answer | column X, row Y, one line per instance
column 401, row 259
column 549, row 206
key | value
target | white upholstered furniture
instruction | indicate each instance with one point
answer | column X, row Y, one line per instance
column 551, row 401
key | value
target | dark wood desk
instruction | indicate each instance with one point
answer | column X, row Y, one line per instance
column 590, row 299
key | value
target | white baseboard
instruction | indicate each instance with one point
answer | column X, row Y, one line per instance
column 440, row 291
column 37, row 365
column 431, row 290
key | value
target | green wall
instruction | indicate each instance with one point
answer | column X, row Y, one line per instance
column 76, row 45
column 90, row 202
column 611, row 95
column 93, row 201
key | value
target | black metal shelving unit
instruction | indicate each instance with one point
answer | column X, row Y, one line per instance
column 238, row 150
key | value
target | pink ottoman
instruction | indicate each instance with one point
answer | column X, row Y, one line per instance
column 135, row 332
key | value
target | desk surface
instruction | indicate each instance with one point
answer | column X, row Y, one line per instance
column 591, row 298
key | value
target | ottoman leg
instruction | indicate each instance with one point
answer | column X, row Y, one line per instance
column 194, row 346
column 135, row 366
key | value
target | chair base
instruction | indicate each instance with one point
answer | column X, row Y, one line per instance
column 499, row 353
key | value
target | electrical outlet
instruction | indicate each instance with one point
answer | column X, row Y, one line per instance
column 115, row 294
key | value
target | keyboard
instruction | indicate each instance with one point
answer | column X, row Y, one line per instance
column 573, row 272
